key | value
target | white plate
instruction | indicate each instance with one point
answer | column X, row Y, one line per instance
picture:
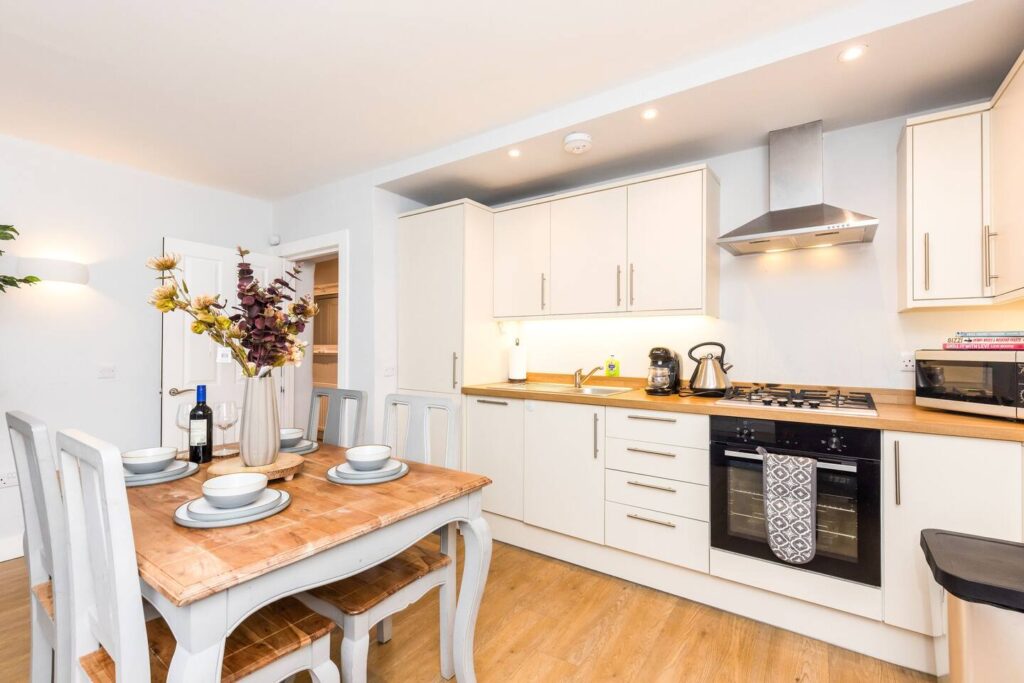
column 148, row 479
column 301, row 446
column 332, row 476
column 346, row 471
column 174, row 467
column 201, row 509
column 183, row 518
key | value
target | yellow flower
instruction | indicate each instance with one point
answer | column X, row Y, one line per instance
column 198, row 327
column 207, row 318
column 164, row 263
column 164, row 298
column 235, row 332
column 223, row 322
column 203, row 302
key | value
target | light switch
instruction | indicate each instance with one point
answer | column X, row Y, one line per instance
column 107, row 371
column 389, row 370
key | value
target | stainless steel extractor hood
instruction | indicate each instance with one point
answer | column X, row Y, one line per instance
column 798, row 217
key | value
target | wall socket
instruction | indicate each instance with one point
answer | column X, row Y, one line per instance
column 8, row 479
column 907, row 361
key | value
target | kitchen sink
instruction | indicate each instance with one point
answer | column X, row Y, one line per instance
column 553, row 388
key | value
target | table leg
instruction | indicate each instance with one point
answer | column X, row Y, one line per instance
column 477, row 538
column 200, row 629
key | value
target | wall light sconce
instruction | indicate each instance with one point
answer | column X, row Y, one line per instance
column 54, row 270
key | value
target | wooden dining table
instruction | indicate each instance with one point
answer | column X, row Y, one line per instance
column 204, row 582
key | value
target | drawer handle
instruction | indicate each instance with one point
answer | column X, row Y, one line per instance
column 648, row 519
column 651, row 419
column 651, row 486
column 490, row 402
column 644, row 450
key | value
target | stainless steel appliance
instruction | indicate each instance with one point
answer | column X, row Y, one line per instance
column 849, row 490
column 831, row 400
column 663, row 375
column 982, row 382
column 709, row 378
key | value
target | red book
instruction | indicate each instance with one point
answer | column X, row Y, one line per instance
column 982, row 347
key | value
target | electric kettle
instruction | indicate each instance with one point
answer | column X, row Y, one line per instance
column 709, row 378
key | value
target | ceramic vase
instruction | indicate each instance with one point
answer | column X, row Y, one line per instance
column 260, row 427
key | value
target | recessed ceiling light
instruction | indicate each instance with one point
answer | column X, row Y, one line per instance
column 649, row 114
column 853, row 52
column 514, row 153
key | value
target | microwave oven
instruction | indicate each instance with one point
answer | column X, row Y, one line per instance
column 981, row 382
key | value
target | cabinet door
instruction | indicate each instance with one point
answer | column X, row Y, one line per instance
column 666, row 243
column 564, row 473
column 522, row 261
column 588, row 253
column 1007, row 229
column 494, row 448
column 430, row 249
column 947, row 199
column 943, row 482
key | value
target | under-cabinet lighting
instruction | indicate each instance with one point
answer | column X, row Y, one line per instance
column 820, row 246
column 853, row 52
column 514, row 153
column 649, row 114
column 776, row 251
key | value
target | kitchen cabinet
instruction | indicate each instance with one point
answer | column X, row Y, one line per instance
column 1007, row 225
column 588, row 252
column 522, row 261
column 563, row 476
column 494, row 448
column 955, row 483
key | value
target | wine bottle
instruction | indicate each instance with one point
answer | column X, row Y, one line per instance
column 200, row 429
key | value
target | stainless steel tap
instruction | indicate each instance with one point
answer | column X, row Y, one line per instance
column 578, row 378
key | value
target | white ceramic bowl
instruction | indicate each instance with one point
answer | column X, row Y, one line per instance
column 148, row 460
column 368, row 458
column 234, row 490
column 291, row 436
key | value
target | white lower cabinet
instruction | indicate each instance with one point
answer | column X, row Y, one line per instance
column 959, row 484
column 494, row 448
column 654, row 493
column 657, row 459
column 564, row 469
column 669, row 538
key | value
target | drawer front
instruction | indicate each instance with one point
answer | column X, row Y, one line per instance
column 658, row 460
column 672, row 539
column 656, row 426
column 652, row 493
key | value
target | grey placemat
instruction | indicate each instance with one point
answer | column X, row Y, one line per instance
column 790, row 506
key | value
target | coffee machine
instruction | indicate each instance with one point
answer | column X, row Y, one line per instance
column 663, row 374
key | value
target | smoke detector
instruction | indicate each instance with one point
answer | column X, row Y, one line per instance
column 577, row 143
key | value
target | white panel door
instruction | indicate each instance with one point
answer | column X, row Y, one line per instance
column 1007, row 126
column 588, row 253
column 564, row 472
column 944, row 482
column 666, row 243
column 430, row 301
column 522, row 261
column 494, row 448
column 948, row 201
column 190, row 359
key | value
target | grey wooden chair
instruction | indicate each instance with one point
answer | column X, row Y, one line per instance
column 416, row 444
column 338, row 403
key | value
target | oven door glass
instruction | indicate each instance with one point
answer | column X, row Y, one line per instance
column 971, row 381
column 847, row 514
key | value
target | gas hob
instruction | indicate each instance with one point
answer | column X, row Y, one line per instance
column 831, row 401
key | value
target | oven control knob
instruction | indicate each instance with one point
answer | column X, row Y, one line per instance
column 834, row 443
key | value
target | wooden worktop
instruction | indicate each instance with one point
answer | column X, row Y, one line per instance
column 904, row 417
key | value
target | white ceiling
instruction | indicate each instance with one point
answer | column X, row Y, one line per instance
column 267, row 97
column 956, row 56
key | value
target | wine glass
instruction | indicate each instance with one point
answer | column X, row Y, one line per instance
column 184, row 420
column 225, row 415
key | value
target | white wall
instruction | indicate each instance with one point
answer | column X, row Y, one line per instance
column 825, row 316
column 55, row 336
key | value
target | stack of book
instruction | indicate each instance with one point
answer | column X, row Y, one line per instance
column 986, row 341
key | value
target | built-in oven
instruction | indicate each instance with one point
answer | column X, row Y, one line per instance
column 848, row 538
column 982, row 382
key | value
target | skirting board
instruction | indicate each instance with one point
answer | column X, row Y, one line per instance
column 11, row 547
column 866, row 636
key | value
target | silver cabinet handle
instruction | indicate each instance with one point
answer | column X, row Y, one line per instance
column 927, row 262
column 632, row 284
column 543, row 280
column 595, row 436
column 618, row 285
column 987, row 254
column 651, row 419
column 455, row 358
column 897, row 471
column 669, row 489
column 648, row 519
column 492, row 402
column 644, row 450
column 174, row 391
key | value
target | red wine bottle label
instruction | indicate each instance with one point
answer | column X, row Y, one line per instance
column 197, row 433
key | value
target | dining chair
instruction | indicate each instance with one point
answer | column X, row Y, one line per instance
column 109, row 636
column 371, row 597
column 45, row 547
column 337, row 401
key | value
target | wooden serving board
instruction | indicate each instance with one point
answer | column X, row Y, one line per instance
column 285, row 467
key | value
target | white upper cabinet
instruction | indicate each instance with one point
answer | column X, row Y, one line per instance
column 1006, row 232
column 522, row 261
column 588, row 252
column 666, row 243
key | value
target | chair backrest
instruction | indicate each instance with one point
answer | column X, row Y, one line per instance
column 417, row 442
column 105, row 593
column 338, row 416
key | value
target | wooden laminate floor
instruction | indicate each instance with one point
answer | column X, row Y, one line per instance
column 545, row 620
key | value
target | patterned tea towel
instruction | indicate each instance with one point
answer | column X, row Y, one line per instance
column 790, row 505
